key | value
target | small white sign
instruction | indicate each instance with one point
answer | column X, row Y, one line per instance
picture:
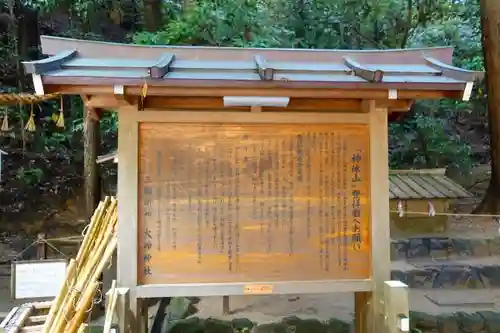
column 37, row 279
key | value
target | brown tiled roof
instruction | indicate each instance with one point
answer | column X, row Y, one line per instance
column 122, row 64
column 424, row 184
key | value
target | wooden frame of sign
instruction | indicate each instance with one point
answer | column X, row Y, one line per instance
column 41, row 286
column 200, row 223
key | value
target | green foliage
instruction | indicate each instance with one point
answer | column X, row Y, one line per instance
column 236, row 23
column 30, row 176
column 434, row 134
column 429, row 138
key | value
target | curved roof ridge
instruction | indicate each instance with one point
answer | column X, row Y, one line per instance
column 95, row 49
column 55, row 38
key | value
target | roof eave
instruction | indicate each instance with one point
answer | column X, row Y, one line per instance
column 299, row 89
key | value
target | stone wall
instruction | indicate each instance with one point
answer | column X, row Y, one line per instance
column 243, row 325
column 450, row 276
column 444, row 248
column 479, row 322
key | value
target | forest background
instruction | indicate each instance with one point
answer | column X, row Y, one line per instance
column 43, row 171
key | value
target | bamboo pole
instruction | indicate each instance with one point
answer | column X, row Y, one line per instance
column 59, row 301
column 83, row 307
column 82, row 328
column 75, row 298
column 93, row 225
column 71, row 327
column 90, row 272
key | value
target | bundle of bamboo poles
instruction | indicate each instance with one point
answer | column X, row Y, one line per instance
column 75, row 300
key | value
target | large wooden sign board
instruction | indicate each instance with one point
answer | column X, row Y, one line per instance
column 253, row 202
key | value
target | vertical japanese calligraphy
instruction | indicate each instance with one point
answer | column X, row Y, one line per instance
column 291, row 181
column 230, row 207
column 268, row 169
column 159, row 199
column 308, row 184
column 321, row 217
column 147, row 214
column 253, row 202
column 172, row 214
column 199, row 211
column 356, row 201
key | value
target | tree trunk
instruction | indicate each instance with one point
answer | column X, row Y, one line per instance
column 153, row 15
column 490, row 21
column 91, row 173
column 92, row 182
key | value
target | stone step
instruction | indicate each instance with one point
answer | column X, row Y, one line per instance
column 444, row 247
column 477, row 273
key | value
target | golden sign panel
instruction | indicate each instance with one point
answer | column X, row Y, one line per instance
column 246, row 203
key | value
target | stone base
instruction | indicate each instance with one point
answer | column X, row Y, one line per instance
column 479, row 322
column 450, row 277
column 287, row 325
column 444, row 248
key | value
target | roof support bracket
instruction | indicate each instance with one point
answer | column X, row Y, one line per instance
column 363, row 72
column 265, row 72
column 161, row 68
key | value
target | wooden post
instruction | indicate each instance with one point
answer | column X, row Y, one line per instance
column 225, row 305
column 41, row 249
column 362, row 320
column 127, row 269
column 370, row 305
column 121, row 310
column 397, row 309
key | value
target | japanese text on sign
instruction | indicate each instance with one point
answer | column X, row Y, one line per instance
column 228, row 203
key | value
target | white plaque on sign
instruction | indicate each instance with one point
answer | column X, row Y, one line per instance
column 37, row 278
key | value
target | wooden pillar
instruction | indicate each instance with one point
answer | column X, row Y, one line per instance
column 370, row 305
column 127, row 251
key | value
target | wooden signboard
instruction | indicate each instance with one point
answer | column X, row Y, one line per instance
column 253, row 202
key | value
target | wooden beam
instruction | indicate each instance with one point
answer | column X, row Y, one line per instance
column 108, row 101
column 161, row 68
column 376, row 94
column 364, row 72
column 399, row 105
column 50, row 63
column 217, row 103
